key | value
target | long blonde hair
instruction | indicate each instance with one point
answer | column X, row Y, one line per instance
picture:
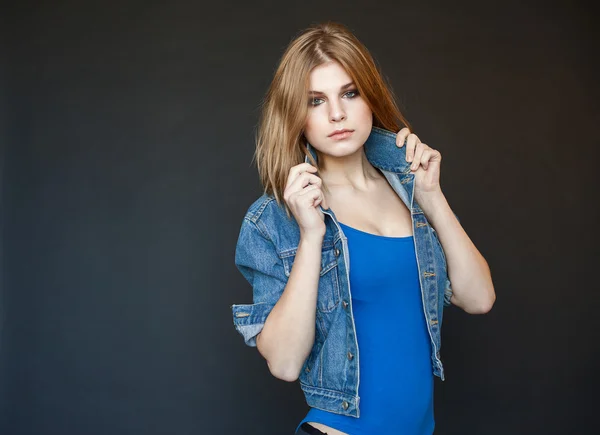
column 280, row 143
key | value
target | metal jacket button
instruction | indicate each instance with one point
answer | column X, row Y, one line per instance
column 337, row 252
column 345, row 405
column 350, row 356
column 345, row 304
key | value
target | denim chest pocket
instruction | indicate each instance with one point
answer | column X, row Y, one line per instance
column 329, row 290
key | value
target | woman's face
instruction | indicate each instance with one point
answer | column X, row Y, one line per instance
column 335, row 104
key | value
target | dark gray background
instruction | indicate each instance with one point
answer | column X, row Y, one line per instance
column 127, row 136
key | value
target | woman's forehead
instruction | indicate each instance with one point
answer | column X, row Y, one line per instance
column 329, row 77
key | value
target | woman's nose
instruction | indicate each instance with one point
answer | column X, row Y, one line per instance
column 337, row 113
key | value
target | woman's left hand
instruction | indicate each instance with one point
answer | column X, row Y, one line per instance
column 425, row 162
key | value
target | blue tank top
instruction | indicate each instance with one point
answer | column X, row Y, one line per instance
column 396, row 378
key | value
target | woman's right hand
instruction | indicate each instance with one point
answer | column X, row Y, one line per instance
column 303, row 195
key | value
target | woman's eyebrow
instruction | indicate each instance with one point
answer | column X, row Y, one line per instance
column 346, row 86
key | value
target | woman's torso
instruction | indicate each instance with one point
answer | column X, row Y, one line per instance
column 379, row 212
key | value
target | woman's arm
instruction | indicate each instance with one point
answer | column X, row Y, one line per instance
column 289, row 332
column 468, row 271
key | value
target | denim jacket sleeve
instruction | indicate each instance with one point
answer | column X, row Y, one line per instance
column 257, row 259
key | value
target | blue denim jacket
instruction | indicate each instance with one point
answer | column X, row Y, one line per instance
column 265, row 253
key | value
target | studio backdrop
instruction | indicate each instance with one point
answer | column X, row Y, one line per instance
column 127, row 136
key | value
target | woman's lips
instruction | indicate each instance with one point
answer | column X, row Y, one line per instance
column 341, row 136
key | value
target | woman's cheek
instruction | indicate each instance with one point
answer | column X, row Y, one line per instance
column 367, row 114
column 312, row 129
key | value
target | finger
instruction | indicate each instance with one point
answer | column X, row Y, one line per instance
column 425, row 158
column 310, row 194
column 432, row 156
column 411, row 144
column 401, row 136
column 305, row 179
column 297, row 195
column 320, row 200
column 302, row 167
column 295, row 171
column 418, row 156
column 323, row 201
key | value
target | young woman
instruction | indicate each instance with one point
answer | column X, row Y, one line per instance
column 351, row 201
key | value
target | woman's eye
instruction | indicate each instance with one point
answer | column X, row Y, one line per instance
column 315, row 101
